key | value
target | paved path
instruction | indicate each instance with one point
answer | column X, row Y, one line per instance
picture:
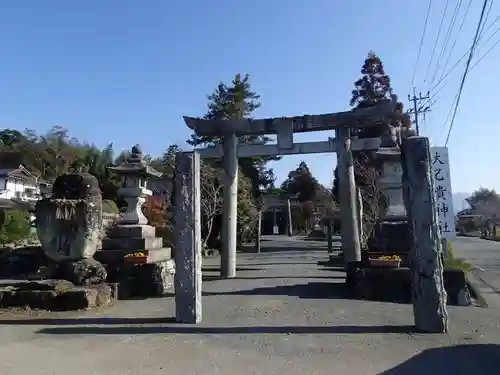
column 484, row 255
column 282, row 315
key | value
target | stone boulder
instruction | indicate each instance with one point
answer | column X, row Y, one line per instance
column 55, row 295
column 82, row 272
column 69, row 223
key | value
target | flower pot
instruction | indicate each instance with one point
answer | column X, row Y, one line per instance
column 387, row 263
column 136, row 259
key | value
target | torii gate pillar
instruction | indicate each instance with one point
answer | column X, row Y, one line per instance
column 230, row 212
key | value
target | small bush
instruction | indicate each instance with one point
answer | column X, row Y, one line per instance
column 109, row 207
column 453, row 262
column 15, row 228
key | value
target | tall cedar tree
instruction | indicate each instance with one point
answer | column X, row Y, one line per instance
column 302, row 183
column 237, row 101
column 372, row 88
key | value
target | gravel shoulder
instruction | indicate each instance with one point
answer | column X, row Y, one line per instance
column 282, row 315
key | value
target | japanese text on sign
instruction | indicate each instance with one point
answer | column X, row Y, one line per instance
column 440, row 168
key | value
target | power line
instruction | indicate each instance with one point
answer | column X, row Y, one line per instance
column 460, row 28
column 446, row 39
column 468, row 51
column 474, row 43
column 456, row 95
column 486, row 20
column 448, row 115
column 477, row 62
column 485, row 54
column 422, row 41
column 433, row 88
column 437, row 40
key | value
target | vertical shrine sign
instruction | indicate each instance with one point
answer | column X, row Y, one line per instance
column 441, row 177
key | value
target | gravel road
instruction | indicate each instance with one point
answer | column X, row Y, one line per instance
column 282, row 314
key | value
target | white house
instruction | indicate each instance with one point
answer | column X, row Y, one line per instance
column 16, row 182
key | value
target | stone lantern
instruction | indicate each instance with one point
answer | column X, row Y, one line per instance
column 134, row 174
column 133, row 240
column 392, row 233
column 389, row 155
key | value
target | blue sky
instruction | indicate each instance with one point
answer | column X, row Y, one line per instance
column 126, row 71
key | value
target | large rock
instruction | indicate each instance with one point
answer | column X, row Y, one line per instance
column 82, row 272
column 69, row 223
column 56, row 295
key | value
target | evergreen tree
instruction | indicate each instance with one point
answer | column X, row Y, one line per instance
column 372, row 88
column 302, row 183
column 237, row 101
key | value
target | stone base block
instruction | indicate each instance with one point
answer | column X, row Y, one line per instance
column 394, row 285
column 135, row 243
column 83, row 272
column 56, row 295
column 131, row 231
column 455, row 283
column 148, row 280
column 22, row 262
column 116, row 257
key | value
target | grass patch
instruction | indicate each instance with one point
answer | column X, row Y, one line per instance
column 451, row 262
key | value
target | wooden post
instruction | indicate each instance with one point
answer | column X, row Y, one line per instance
column 289, row 221
column 259, row 231
column 428, row 293
column 329, row 234
column 347, row 189
column 187, row 278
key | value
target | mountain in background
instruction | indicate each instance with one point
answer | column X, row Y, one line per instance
column 459, row 202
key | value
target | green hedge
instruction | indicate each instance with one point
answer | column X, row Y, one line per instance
column 16, row 227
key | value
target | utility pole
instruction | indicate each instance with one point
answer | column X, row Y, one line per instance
column 416, row 110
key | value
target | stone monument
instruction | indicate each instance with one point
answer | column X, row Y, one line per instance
column 131, row 234
column 69, row 226
column 69, row 222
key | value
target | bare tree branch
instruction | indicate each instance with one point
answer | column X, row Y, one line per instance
column 373, row 198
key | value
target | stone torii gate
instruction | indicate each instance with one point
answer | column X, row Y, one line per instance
column 187, row 184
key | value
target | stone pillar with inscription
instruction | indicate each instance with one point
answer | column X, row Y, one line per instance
column 188, row 278
column 440, row 168
column 428, row 292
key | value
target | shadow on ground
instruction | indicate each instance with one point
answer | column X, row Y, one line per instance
column 284, row 263
column 238, row 269
column 282, row 249
column 191, row 329
column 313, row 290
column 217, row 277
column 461, row 359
